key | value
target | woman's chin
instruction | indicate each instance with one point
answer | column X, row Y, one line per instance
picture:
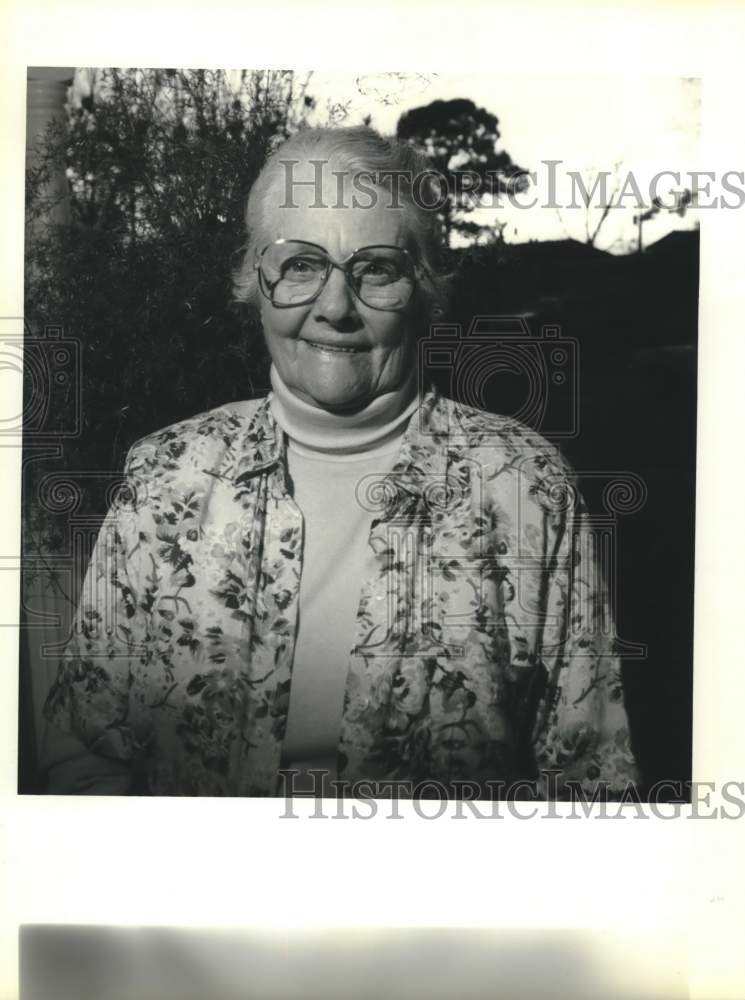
column 335, row 393
column 338, row 400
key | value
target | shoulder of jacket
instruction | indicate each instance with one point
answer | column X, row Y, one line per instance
column 496, row 438
column 203, row 438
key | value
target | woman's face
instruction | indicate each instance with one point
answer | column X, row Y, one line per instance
column 306, row 342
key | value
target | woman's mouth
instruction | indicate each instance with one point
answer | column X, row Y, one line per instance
column 335, row 348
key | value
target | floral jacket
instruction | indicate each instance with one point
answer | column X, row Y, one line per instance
column 484, row 644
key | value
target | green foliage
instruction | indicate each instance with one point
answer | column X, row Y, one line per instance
column 159, row 164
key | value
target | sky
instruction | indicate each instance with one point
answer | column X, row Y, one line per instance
column 628, row 124
column 620, row 124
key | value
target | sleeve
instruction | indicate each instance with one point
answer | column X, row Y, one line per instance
column 581, row 730
column 91, row 742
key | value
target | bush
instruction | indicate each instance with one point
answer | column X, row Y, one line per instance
column 159, row 164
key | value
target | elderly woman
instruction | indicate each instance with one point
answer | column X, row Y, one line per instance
column 354, row 579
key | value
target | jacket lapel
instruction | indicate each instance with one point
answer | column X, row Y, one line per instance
column 269, row 554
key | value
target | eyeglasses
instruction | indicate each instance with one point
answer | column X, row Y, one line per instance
column 294, row 272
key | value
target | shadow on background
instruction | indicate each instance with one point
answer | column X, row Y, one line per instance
column 109, row 963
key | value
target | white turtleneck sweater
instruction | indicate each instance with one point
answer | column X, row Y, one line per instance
column 328, row 454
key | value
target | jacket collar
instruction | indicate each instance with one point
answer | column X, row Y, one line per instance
column 421, row 459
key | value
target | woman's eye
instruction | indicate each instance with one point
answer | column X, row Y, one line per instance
column 378, row 269
column 301, row 267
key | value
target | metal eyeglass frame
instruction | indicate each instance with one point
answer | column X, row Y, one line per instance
column 341, row 265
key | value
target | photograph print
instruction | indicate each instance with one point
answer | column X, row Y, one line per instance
column 359, row 434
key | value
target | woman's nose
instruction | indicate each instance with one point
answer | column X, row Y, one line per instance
column 336, row 303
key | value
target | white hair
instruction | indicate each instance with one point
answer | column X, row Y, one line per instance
column 356, row 150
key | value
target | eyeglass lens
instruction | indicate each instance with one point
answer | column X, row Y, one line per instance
column 294, row 273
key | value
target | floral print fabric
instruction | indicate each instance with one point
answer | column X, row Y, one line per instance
column 484, row 644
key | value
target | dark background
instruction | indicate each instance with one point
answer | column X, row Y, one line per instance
column 634, row 318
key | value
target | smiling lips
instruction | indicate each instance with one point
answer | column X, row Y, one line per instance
column 335, row 348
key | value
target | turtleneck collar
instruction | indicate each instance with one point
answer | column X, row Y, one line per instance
column 379, row 424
